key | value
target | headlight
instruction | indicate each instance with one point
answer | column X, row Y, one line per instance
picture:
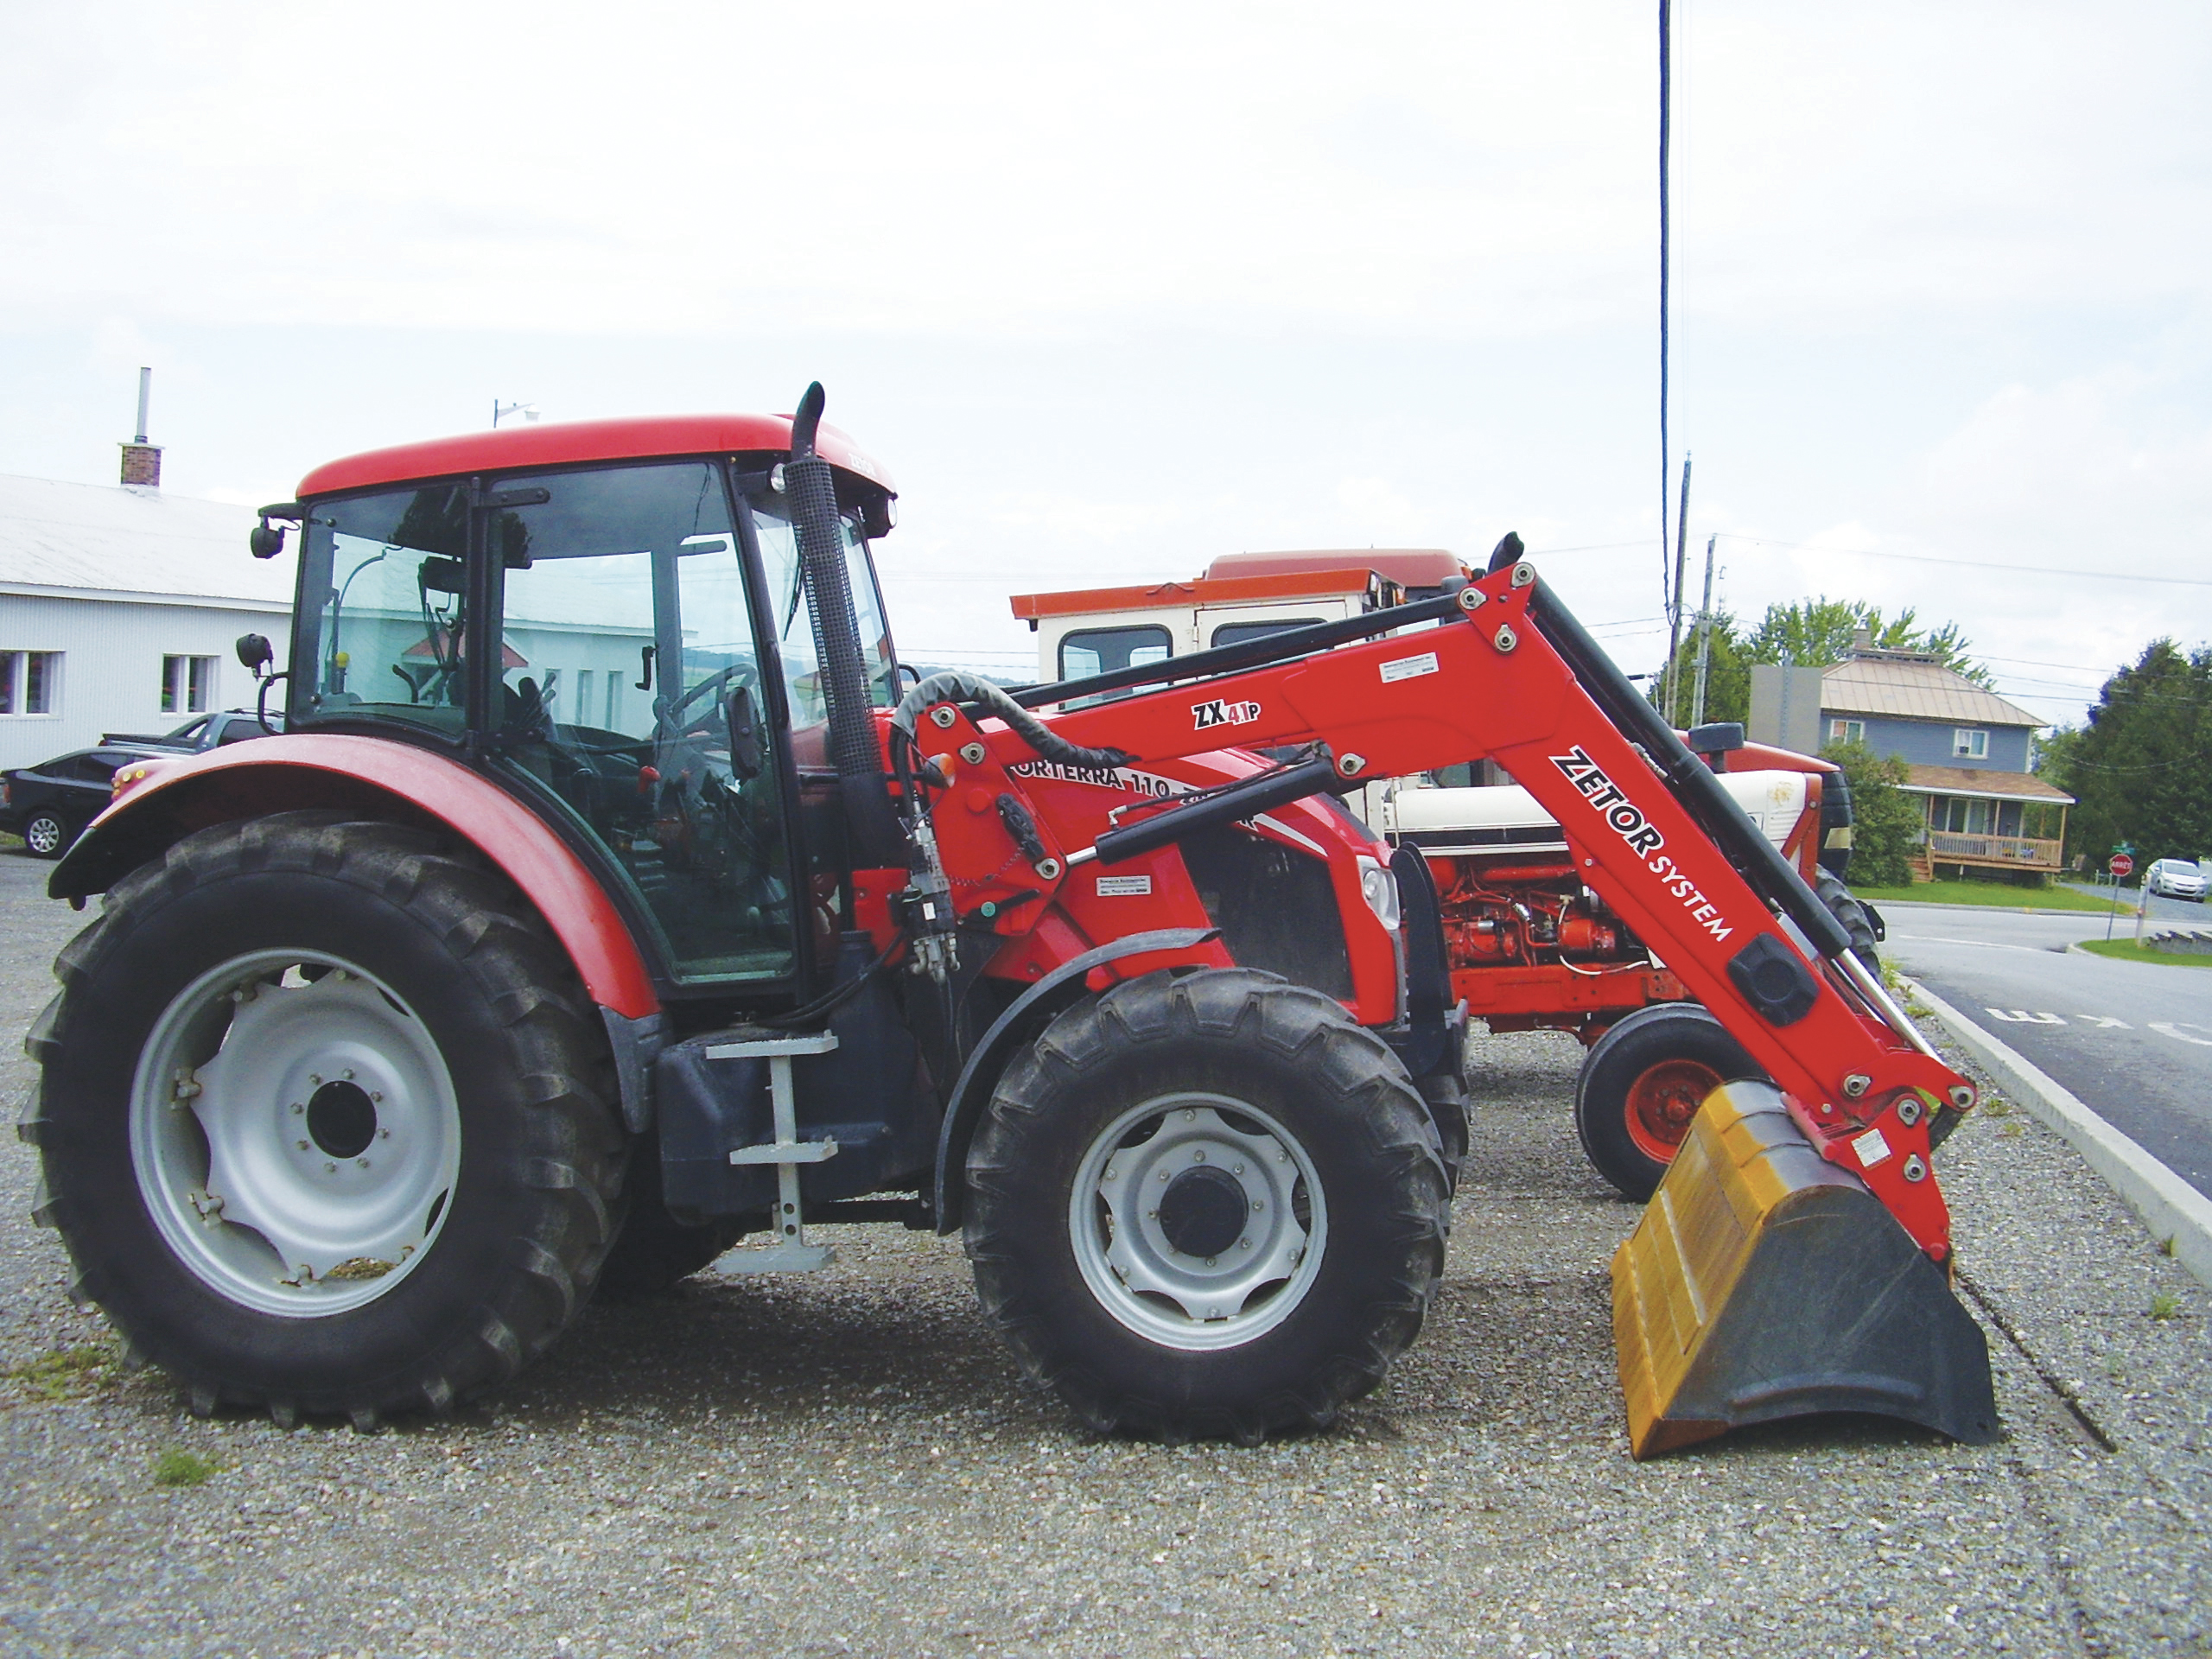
column 1379, row 888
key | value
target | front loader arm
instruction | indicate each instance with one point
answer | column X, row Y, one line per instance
column 1493, row 680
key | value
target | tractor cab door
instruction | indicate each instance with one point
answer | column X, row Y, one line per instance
column 630, row 703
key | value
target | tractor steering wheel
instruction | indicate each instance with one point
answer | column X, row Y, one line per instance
column 675, row 723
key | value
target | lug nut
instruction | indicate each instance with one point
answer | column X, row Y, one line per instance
column 304, row 1145
column 297, row 1108
column 330, row 1169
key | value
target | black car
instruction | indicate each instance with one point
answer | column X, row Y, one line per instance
column 50, row 804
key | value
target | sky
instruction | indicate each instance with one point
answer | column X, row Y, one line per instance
column 1113, row 290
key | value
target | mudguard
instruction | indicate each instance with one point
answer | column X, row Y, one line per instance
column 378, row 778
column 988, row 1059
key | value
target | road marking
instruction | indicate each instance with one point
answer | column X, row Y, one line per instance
column 2173, row 1028
column 2021, row 1017
column 1985, row 944
column 2105, row 1022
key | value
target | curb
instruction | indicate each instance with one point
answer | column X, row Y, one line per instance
column 2168, row 1206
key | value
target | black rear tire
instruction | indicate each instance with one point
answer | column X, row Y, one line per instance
column 1853, row 915
column 653, row 1251
column 1445, row 1094
column 1642, row 1082
column 396, row 941
column 1246, row 1097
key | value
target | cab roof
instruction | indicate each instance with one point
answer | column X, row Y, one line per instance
column 582, row 443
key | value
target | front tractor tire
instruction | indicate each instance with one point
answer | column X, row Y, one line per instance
column 1641, row 1084
column 321, row 1119
column 1207, row 1205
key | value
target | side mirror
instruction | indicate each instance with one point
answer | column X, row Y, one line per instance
column 255, row 653
column 266, row 540
column 748, row 751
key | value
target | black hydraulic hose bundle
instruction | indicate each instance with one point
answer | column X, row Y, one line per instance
column 952, row 686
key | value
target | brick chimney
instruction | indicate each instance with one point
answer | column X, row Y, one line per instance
column 142, row 462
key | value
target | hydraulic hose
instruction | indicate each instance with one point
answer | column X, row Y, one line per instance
column 952, row 686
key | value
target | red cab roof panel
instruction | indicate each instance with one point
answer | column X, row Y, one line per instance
column 1409, row 567
column 582, row 443
column 1242, row 588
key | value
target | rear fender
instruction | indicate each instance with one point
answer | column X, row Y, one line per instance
column 1008, row 1032
column 380, row 779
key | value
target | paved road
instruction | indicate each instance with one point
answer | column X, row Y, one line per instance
column 2162, row 909
column 2132, row 1040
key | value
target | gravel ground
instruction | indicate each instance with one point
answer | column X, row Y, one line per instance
column 850, row 1464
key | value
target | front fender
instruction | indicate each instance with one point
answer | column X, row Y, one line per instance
column 381, row 780
column 988, row 1057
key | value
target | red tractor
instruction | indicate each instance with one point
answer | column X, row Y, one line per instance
column 1532, row 946
column 608, row 900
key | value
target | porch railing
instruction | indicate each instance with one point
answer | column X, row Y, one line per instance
column 2014, row 852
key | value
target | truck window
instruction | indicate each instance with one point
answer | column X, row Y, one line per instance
column 1100, row 651
column 1236, row 634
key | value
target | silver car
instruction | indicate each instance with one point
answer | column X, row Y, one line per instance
column 2175, row 878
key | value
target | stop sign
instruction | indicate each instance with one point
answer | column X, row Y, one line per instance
column 2121, row 867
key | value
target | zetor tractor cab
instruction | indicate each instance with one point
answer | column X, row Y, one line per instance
column 608, row 898
column 1531, row 945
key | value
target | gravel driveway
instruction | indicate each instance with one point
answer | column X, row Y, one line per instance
column 849, row 1464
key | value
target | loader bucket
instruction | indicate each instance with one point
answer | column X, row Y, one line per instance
column 1765, row 1282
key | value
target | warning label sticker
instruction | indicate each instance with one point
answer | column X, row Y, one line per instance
column 1124, row 887
column 1409, row 667
column 1870, row 1148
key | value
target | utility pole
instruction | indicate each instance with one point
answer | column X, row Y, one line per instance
column 1703, row 636
column 1673, row 692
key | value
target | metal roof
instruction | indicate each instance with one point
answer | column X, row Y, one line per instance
column 108, row 541
column 1910, row 689
column 1976, row 780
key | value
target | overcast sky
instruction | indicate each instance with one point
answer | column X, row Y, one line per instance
column 1113, row 290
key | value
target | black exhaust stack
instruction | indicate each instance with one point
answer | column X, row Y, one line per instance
column 811, row 488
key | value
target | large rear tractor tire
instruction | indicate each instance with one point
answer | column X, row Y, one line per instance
column 1205, row 1206
column 1853, row 915
column 1641, row 1084
column 324, row 1121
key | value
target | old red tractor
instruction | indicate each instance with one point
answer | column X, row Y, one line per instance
column 608, row 900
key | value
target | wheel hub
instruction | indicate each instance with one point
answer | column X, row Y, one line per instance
column 343, row 1119
column 1197, row 1221
column 1203, row 1211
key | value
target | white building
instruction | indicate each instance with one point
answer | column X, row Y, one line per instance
column 119, row 611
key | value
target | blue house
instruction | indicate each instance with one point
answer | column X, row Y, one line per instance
column 1967, row 753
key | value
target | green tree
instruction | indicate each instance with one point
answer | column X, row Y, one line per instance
column 1813, row 632
column 1885, row 823
column 2141, row 766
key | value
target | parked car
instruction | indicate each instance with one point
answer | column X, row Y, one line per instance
column 50, row 804
column 205, row 731
column 2175, row 878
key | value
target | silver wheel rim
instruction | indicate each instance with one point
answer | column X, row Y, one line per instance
column 43, row 835
column 294, row 1133
column 1179, row 1300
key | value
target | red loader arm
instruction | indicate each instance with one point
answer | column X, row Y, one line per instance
column 1509, row 675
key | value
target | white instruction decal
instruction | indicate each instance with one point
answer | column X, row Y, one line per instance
column 1124, row 887
column 1870, row 1148
column 1409, row 667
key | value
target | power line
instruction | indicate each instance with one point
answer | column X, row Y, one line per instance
column 1970, row 564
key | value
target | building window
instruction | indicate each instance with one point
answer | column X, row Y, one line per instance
column 1846, row 731
column 30, row 681
column 188, row 685
column 1969, row 745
